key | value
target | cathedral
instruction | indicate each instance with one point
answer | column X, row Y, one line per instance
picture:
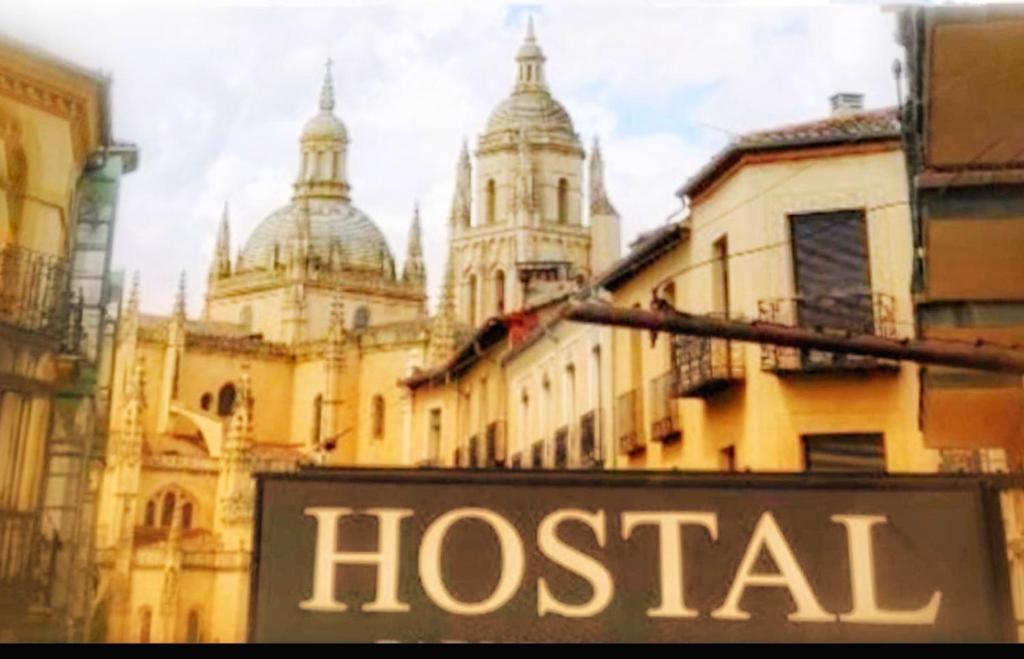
column 305, row 338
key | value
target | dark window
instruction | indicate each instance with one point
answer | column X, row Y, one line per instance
column 151, row 513
column 378, row 416
column 471, row 308
column 186, row 516
column 318, row 404
column 434, row 436
column 491, row 201
column 167, row 513
column 844, row 452
column 563, row 201
column 537, row 455
column 499, row 291
column 727, row 458
column 226, row 400
column 192, row 633
column 145, row 622
column 205, row 400
column 474, row 451
column 361, row 320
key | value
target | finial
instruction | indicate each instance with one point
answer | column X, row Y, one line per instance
column 179, row 298
column 327, row 91
column 530, row 38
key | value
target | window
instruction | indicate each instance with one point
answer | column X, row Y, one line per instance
column 569, row 401
column 727, row 458
column 150, row 513
column 318, row 404
column 491, row 201
column 844, row 453
column 434, row 436
column 245, row 317
column 192, row 627
column 205, row 400
column 145, row 622
column 524, row 421
column 563, row 201
column 226, row 400
column 720, row 276
column 471, row 299
column 186, row 516
column 361, row 319
column 167, row 513
column 499, row 291
column 377, row 414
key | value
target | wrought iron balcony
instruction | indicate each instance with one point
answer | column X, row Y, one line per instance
column 474, row 452
column 562, row 448
column 849, row 314
column 705, row 365
column 516, row 461
column 495, row 446
column 627, row 430
column 590, row 444
column 34, row 296
column 537, row 455
column 664, row 418
column 27, row 561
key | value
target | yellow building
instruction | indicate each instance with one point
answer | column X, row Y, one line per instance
column 59, row 168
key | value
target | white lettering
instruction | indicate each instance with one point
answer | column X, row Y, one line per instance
column 575, row 561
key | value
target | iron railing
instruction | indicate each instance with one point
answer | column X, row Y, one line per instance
column 590, row 443
column 34, row 296
column 474, row 452
column 27, row 560
column 537, row 455
column 664, row 419
column 627, row 430
column 705, row 365
column 516, row 461
column 562, row 448
column 855, row 314
column 973, row 461
column 495, row 444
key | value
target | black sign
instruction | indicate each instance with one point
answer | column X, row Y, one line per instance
column 442, row 555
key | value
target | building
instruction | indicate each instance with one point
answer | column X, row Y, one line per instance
column 964, row 146
column 59, row 174
column 299, row 351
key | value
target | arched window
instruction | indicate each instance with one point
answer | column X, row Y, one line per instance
column 499, row 291
column 186, row 516
column 471, row 300
column 563, row 201
column 245, row 317
column 377, row 414
column 205, row 400
column 361, row 320
column 150, row 513
column 226, row 400
column 491, row 201
column 318, row 404
column 167, row 512
column 192, row 628
column 145, row 622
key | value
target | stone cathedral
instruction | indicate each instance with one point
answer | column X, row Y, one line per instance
column 304, row 338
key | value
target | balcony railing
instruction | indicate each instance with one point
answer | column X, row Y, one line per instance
column 34, row 295
column 705, row 365
column 495, row 445
column 516, row 461
column 474, row 452
column 627, row 430
column 27, row 560
column 664, row 419
column 850, row 315
column 537, row 455
column 459, row 458
column 562, row 448
column 973, row 461
column 590, row 444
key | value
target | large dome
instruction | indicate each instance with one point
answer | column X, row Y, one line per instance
column 530, row 109
column 333, row 224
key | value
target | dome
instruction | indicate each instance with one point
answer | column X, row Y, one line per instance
column 324, row 126
column 333, row 223
column 530, row 109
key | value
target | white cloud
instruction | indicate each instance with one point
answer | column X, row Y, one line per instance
column 216, row 98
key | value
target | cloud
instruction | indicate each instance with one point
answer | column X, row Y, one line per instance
column 216, row 98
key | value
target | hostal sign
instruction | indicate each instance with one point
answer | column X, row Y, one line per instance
column 365, row 555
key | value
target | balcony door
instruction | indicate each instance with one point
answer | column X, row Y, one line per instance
column 832, row 274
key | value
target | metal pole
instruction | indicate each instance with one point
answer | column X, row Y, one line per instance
column 938, row 353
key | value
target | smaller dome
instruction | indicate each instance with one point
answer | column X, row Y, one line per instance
column 535, row 109
column 324, row 126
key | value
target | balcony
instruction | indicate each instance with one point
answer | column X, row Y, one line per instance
column 841, row 315
column 474, row 452
column 27, row 561
column 664, row 418
column 459, row 458
column 537, row 455
column 516, row 462
column 590, row 443
column 627, row 429
column 34, row 295
column 495, row 445
column 973, row 461
column 562, row 448
column 705, row 365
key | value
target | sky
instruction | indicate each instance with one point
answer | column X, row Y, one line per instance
column 215, row 96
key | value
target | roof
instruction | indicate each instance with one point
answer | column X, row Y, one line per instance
column 845, row 128
column 645, row 249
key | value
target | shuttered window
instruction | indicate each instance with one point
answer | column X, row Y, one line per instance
column 844, row 452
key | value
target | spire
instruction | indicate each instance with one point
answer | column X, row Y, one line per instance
column 327, row 90
column 414, row 270
column 179, row 300
column 442, row 331
column 461, row 198
column 133, row 295
column 599, row 203
column 531, row 62
column 221, row 265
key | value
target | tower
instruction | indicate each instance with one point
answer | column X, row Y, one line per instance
column 605, row 230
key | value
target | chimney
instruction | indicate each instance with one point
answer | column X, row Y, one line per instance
column 846, row 102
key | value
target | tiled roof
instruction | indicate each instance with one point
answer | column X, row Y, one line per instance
column 844, row 128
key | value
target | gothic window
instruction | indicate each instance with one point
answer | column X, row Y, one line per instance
column 318, row 404
column 471, row 307
column 145, row 622
column 361, row 320
column 563, row 201
column 245, row 317
column 226, row 400
column 499, row 291
column 491, row 195
column 205, row 400
column 167, row 512
column 186, row 516
column 192, row 627
column 150, row 513
column 378, row 416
